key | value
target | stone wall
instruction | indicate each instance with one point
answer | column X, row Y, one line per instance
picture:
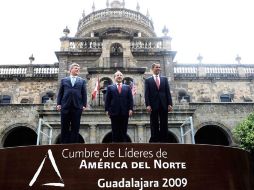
column 198, row 89
column 32, row 90
column 228, row 115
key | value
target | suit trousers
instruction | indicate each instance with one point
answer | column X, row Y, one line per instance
column 159, row 125
column 119, row 125
column 70, row 124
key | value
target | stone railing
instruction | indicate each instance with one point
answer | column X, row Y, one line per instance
column 147, row 44
column 45, row 72
column 221, row 72
column 81, row 44
column 12, row 71
column 109, row 14
column 249, row 72
column 23, row 71
column 232, row 71
column 185, row 71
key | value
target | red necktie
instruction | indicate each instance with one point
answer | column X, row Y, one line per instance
column 119, row 88
column 157, row 82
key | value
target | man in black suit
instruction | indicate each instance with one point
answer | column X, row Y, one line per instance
column 158, row 103
column 119, row 106
column 71, row 101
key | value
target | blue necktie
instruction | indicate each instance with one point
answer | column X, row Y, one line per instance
column 73, row 80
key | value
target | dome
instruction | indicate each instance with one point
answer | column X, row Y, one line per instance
column 115, row 19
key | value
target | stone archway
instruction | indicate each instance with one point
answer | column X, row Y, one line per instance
column 108, row 138
column 80, row 140
column 171, row 138
column 212, row 134
column 20, row 136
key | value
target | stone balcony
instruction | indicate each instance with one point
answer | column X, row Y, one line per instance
column 95, row 44
column 29, row 71
column 213, row 71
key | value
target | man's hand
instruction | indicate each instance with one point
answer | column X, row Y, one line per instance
column 58, row 107
column 170, row 108
column 149, row 109
column 130, row 112
column 107, row 113
column 84, row 108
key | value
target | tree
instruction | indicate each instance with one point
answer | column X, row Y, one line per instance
column 244, row 133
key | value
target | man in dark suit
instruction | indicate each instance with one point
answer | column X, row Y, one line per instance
column 158, row 103
column 119, row 106
column 71, row 101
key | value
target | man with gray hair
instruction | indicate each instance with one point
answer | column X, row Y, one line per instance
column 71, row 101
column 119, row 106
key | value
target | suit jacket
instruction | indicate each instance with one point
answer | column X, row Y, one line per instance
column 118, row 104
column 72, row 96
column 155, row 97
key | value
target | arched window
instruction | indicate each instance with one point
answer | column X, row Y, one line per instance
column 183, row 96
column 47, row 97
column 100, row 98
column 5, row 99
column 127, row 80
column 116, row 55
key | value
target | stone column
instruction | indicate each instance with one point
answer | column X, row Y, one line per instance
column 92, row 134
column 140, row 133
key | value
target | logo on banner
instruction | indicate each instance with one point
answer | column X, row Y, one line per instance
column 53, row 163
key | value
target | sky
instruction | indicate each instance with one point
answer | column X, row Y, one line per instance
column 218, row 30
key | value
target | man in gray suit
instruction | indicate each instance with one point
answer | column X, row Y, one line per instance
column 158, row 103
column 71, row 101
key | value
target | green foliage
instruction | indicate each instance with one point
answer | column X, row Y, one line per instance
column 244, row 133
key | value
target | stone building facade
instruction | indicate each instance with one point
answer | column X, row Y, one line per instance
column 217, row 97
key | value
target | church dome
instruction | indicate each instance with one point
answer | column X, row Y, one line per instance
column 115, row 20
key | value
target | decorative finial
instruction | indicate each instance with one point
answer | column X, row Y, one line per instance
column 66, row 31
column 93, row 7
column 199, row 58
column 238, row 59
column 151, row 19
column 107, row 4
column 165, row 31
column 84, row 13
column 31, row 59
column 147, row 13
column 123, row 3
column 137, row 7
column 116, row 4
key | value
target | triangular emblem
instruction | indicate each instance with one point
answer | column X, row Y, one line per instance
column 53, row 162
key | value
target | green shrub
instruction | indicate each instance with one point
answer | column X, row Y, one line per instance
column 244, row 133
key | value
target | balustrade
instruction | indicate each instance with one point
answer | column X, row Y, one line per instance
column 226, row 72
column 9, row 72
column 146, row 43
column 84, row 44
